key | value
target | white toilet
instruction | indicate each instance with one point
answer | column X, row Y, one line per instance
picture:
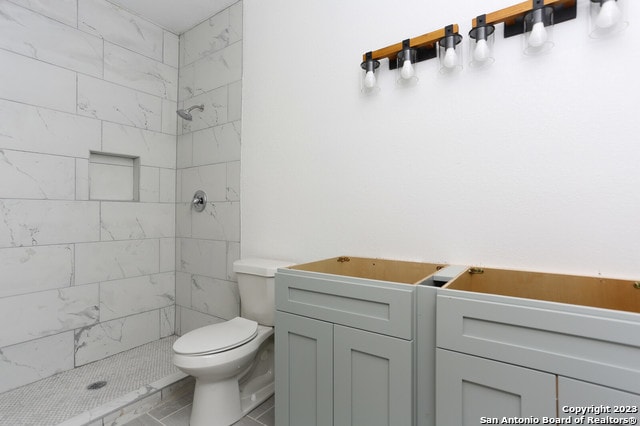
column 232, row 361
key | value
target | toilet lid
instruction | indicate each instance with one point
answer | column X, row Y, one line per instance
column 216, row 337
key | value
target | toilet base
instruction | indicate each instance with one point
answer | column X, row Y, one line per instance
column 216, row 404
column 224, row 402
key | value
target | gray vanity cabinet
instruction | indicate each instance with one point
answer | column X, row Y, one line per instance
column 344, row 349
column 505, row 356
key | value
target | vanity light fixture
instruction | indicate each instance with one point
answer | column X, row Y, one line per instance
column 369, row 66
column 448, row 52
column 404, row 55
column 534, row 19
column 606, row 17
column 538, row 24
column 481, row 46
column 404, row 62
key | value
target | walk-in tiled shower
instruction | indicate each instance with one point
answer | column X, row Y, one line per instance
column 100, row 251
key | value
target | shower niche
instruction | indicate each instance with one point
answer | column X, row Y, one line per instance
column 114, row 177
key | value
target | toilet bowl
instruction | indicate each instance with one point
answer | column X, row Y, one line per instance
column 232, row 361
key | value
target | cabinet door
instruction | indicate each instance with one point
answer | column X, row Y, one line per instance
column 472, row 391
column 373, row 379
column 303, row 371
column 574, row 393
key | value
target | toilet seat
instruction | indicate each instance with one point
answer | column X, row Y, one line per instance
column 217, row 338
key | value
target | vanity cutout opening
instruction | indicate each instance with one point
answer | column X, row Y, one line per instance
column 114, row 177
column 398, row 271
column 597, row 292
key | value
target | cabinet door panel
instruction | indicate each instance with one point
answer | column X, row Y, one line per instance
column 373, row 379
column 304, row 371
column 574, row 393
column 471, row 390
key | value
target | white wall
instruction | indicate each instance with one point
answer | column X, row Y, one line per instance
column 81, row 277
column 532, row 163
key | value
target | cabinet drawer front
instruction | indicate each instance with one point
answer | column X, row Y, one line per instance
column 585, row 346
column 362, row 304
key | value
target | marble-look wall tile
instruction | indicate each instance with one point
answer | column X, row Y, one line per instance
column 35, row 176
column 32, row 223
column 138, row 72
column 31, row 269
column 215, row 297
column 120, row 298
column 215, row 110
column 183, row 219
column 183, row 289
column 112, row 102
column 112, row 260
column 235, row 22
column 233, row 181
column 211, row 179
column 206, row 38
column 171, row 49
column 167, row 321
column 154, row 149
column 184, row 151
column 169, row 117
column 218, row 69
column 118, row 26
column 167, row 186
column 65, row 11
column 185, row 83
column 37, row 83
column 190, row 319
column 126, row 221
column 203, row 257
column 233, row 254
column 219, row 221
column 167, row 254
column 31, row 34
column 45, row 313
column 149, row 184
column 112, row 337
column 82, row 179
column 31, row 361
column 235, row 101
column 29, row 128
column 218, row 144
column 177, row 321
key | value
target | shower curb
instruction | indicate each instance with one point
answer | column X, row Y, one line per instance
column 133, row 403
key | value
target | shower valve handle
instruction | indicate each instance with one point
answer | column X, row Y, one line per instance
column 199, row 201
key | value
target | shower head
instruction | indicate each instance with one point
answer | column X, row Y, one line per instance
column 186, row 113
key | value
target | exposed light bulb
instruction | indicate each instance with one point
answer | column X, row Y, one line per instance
column 450, row 58
column 538, row 36
column 407, row 70
column 481, row 52
column 609, row 15
column 369, row 80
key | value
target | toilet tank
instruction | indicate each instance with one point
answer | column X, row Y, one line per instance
column 257, row 288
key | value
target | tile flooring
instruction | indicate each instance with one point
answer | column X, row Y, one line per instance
column 177, row 412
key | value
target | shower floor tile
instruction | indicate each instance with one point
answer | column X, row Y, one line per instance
column 130, row 376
